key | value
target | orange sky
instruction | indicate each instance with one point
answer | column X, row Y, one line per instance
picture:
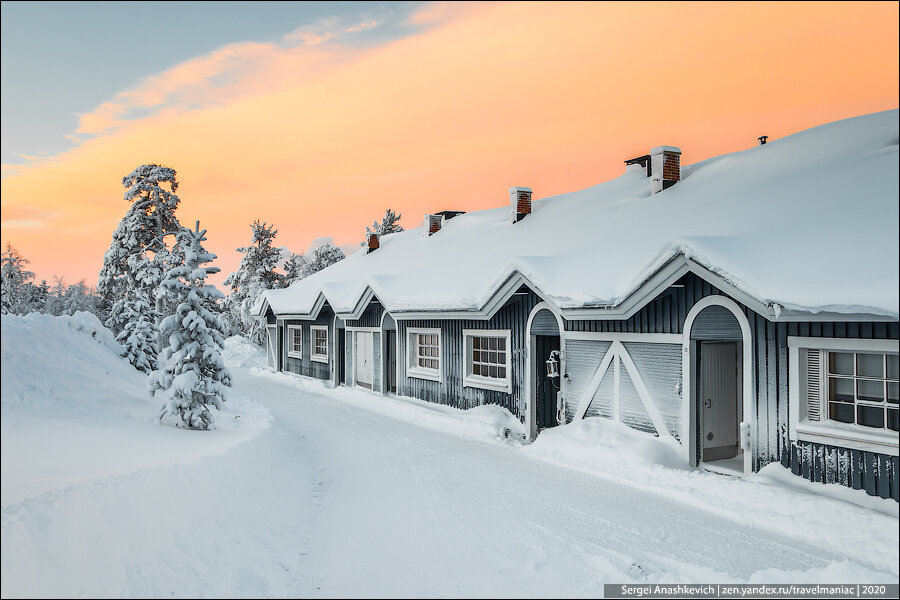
column 320, row 138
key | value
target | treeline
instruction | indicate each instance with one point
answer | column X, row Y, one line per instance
column 148, row 243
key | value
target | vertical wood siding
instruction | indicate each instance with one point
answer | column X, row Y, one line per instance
column 371, row 317
column 513, row 316
column 305, row 366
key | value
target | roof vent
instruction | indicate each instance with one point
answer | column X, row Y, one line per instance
column 433, row 223
column 449, row 214
column 643, row 161
column 519, row 203
column 372, row 242
column 665, row 168
column 762, row 140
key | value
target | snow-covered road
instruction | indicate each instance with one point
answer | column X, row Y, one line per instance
column 335, row 500
column 400, row 510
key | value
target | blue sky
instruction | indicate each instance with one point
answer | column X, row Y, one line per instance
column 60, row 59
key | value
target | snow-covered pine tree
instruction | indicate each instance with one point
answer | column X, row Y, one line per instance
column 15, row 283
column 140, row 335
column 140, row 240
column 56, row 300
column 293, row 269
column 191, row 374
column 323, row 256
column 255, row 274
column 389, row 224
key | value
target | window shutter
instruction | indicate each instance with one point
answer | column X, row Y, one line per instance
column 814, row 385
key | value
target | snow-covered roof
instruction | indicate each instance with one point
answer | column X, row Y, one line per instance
column 808, row 223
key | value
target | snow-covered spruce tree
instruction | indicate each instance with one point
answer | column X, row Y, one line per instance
column 191, row 374
column 323, row 256
column 15, row 283
column 139, row 241
column 293, row 269
column 140, row 335
column 389, row 224
column 255, row 274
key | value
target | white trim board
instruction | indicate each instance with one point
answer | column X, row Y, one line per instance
column 415, row 371
column 801, row 429
column 649, row 338
column 689, row 382
column 321, row 358
column 475, row 381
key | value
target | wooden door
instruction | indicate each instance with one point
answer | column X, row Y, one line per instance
column 271, row 346
column 364, row 358
column 391, row 360
column 719, row 395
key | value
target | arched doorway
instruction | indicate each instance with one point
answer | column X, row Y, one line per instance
column 717, row 374
column 545, row 392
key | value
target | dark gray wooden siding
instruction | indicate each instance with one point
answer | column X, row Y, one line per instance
column 513, row 316
column 876, row 473
column 371, row 317
column 306, row 366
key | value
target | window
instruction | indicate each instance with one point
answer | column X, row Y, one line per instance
column 844, row 392
column 862, row 389
column 319, row 335
column 424, row 354
column 487, row 359
column 295, row 341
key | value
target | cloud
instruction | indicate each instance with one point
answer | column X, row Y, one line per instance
column 28, row 217
column 321, row 138
column 225, row 75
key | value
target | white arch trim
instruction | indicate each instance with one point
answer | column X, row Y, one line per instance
column 384, row 367
column 531, row 363
column 689, row 383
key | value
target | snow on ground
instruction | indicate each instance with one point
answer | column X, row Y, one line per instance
column 74, row 412
column 349, row 493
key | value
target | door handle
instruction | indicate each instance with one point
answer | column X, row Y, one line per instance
column 708, row 403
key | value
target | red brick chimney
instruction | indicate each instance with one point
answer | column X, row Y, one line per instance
column 372, row 242
column 519, row 203
column 665, row 168
column 433, row 223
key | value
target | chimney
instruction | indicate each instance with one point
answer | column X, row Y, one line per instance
column 519, row 203
column 762, row 140
column 433, row 223
column 372, row 242
column 665, row 168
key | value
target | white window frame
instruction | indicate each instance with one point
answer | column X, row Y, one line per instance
column 479, row 381
column 826, row 431
column 313, row 355
column 290, row 341
column 412, row 356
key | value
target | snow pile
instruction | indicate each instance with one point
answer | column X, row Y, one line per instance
column 615, row 446
column 241, row 352
column 753, row 217
column 488, row 423
column 773, row 499
column 71, row 404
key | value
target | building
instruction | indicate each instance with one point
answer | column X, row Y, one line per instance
column 746, row 305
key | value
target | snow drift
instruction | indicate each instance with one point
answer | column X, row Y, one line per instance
column 70, row 404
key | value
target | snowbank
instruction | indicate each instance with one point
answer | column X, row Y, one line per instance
column 831, row 517
column 488, row 423
column 753, row 217
column 74, row 411
column 241, row 352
